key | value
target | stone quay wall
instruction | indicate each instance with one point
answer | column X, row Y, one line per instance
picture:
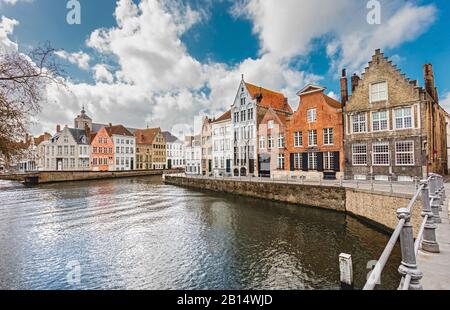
column 376, row 208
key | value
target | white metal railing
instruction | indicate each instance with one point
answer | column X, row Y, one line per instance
column 433, row 196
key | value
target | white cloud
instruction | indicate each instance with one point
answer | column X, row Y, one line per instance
column 159, row 83
column 6, row 29
column 289, row 30
column 102, row 74
column 80, row 59
column 333, row 95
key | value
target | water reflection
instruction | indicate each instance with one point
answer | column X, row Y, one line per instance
column 142, row 234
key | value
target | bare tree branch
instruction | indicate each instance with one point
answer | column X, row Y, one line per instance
column 23, row 81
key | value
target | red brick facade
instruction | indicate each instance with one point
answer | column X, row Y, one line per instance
column 314, row 136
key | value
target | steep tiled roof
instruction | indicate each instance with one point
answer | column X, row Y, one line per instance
column 146, row 136
column 118, row 130
column 224, row 117
column 332, row 102
column 269, row 98
column 170, row 138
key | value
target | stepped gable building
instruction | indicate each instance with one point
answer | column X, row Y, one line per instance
column 150, row 149
column 393, row 128
column 248, row 110
column 315, row 136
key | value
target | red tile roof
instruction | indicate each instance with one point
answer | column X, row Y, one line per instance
column 332, row 102
column 118, row 130
column 269, row 98
column 146, row 136
column 224, row 117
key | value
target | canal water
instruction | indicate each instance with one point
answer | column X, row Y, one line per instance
column 142, row 234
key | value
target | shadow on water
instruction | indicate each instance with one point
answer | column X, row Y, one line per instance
column 141, row 234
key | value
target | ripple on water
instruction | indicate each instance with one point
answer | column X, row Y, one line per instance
column 141, row 234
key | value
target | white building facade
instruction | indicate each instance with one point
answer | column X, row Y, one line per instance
column 125, row 152
column 175, row 152
column 68, row 150
column 193, row 154
column 244, row 126
column 222, row 149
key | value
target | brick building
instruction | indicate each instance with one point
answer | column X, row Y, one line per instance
column 315, row 136
column 248, row 110
column 102, row 151
column 150, row 149
column 393, row 127
column 273, row 156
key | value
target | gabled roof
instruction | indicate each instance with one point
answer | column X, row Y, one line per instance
column 268, row 98
column 79, row 135
column 170, row 138
column 332, row 102
column 146, row 136
column 224, row 117
column 310, row 88
column 118, row 130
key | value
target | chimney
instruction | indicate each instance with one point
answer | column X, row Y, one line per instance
column 58, row 128
column 344, row 87
column 429, row 80
column 110, row 125
column 355, row 82
column 27, row 138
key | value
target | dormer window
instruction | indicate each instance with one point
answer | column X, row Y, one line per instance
column 270, row 124
column 378, row 92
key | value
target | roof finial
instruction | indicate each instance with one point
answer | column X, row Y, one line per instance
column 242, row 75
column 83, row 111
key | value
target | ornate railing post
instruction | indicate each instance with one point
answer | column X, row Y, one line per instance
column 429, row 242
column 409, row 262
column 435, row 207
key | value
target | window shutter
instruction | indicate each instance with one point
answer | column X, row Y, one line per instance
column 305, row 161
column 337, row 161
column 320, row 161
column 292, row 162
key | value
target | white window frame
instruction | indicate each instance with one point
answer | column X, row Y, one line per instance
column 360, row 122
column 270, row 142
column 281, row 162
column 281, row 141
column 298, row 139
column 388, row 153
column 312, row 161
column 328, row 161
column 312, row 135
column 354, row 154
column 378, row 94
column 270, row 124
column 262, row 143
column 403, row 117
column 380, row 120
column 328, row 136
column 312, row 116
column 404, row 153
column 298, row 161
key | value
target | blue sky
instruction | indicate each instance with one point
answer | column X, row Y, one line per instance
column 184, row 58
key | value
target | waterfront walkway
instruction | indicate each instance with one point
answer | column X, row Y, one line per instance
column 436, row 267
column 374, row 186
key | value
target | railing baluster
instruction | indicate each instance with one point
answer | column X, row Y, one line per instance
column 429, row 242
column 409, row 262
